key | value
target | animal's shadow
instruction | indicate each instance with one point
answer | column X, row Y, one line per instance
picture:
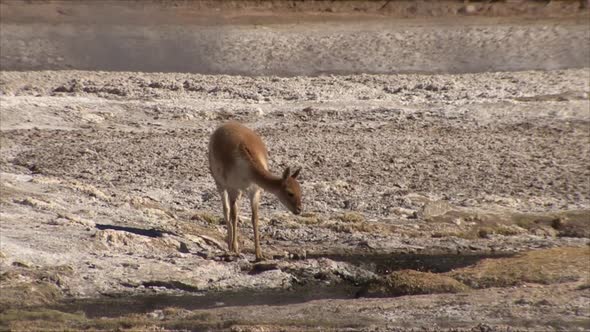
column 152, row 232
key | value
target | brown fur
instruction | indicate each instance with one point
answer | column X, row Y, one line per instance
column 238, row 161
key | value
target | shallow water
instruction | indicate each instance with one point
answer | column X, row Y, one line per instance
column 379, row 263
column 387, row 263
column 119, row 306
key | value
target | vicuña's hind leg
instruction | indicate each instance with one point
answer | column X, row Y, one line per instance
column 234, row 202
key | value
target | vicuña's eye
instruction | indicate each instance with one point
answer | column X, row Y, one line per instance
column 290, row 194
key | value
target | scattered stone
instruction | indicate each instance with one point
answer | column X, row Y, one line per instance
column 156, row 314
column 469, row 9
column 264, row 266
column 298, row 254
column 400, row 211
column 22, row 264
column 183, row 248
column 544, row 302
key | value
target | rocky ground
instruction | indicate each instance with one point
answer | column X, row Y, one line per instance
column 432, row 202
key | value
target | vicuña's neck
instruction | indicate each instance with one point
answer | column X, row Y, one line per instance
column 266, row 180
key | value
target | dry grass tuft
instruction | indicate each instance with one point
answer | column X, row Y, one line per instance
column 539, row 266
column 410, row 282
column 207, row 218
column 26, row 286
column 28, row 293
column 483, row 225
column 310, row 218
column 351, row 217
column 364, row 227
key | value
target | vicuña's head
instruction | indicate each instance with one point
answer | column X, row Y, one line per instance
column 290, row 193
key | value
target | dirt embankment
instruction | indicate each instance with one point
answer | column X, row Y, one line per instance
column 294, row 38
column 228, row 11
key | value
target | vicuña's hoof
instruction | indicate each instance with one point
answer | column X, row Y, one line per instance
column 231, row 256
column 259, row 259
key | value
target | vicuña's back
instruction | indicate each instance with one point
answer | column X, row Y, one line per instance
column 238, row 161
column 235, row 152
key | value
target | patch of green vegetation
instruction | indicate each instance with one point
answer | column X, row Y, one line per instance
column 538, row 266
column 410, row 282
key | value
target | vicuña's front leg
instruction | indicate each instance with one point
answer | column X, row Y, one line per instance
column 234, row 201
column 227, row 218
column 255, row 202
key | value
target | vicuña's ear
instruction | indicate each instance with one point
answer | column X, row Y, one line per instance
column 286, row 173
column 296, row 173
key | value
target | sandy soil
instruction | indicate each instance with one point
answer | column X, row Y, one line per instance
column 105, row 192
